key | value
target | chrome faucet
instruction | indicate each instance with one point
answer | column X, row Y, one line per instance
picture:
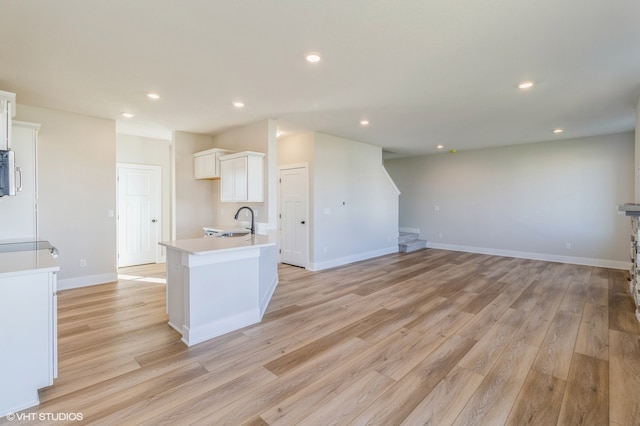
column 253, row 224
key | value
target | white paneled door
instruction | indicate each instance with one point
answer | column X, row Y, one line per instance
column 138, row 214
column 294, row 215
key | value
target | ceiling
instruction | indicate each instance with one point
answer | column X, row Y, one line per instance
column 423, row 72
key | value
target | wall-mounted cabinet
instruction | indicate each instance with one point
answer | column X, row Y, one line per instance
column 242, row 177
column 206, row 164
column 7, row 112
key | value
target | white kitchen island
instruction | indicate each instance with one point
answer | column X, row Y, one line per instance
column 219, row 284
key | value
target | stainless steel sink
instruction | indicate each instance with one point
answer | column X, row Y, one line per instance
column 233, row 234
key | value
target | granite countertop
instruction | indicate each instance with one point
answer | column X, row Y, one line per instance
column 213, row 244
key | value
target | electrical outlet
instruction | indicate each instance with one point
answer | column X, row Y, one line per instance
column 440, row 235
column 436, row 208
column 83, row 263
column 567, row 246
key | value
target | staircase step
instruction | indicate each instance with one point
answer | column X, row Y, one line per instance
column 407, row 236
column 412, row 245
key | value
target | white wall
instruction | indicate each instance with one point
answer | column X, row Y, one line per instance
column 637, row 155
column 193, row 198
column 353, row 206
column 77, row 189
column 155, row 152
column 362, row 219
column 524, row 200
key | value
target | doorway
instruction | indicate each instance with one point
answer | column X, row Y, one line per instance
column 294, row 214
column 139, row 221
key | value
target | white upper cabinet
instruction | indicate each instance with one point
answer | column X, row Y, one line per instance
column 7, row 111
column 242, row 177
column 206, row 164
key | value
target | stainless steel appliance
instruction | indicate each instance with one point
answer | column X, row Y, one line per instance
column 10, row 175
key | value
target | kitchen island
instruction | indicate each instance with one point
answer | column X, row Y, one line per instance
column 219, row 284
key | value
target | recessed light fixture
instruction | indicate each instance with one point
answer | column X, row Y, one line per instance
column 128, row 115
column 313, row 57
column 558, row 130
column 153, row 96
column 526, row 85
column 364, row 122
column 440, row 146
column 238, row 104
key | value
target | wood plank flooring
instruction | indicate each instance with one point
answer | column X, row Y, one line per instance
column 430, row 337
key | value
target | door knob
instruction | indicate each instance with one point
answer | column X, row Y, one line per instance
column 154, row 220
column 303, row 222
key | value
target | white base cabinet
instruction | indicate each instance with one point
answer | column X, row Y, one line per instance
column 242, row 177
column 28, row 332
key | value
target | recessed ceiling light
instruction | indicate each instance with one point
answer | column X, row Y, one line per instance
column 128, row 115
column 364, row 122
column 238, row 104
column 313, row 57
column 558, row 130
column 440, row 146
column 153, row 96
column 526, row 85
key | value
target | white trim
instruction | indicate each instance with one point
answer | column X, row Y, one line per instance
column 409, row 230
column 264, row 303
column 393, row 184
column 192, row 336
column 351, row 259
column 587, row 261
column 87, row 280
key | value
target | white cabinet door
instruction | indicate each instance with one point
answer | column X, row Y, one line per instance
column 242, row 178
column 27, row 360
column 240, row 191
column 206, row 164
column 227, row 180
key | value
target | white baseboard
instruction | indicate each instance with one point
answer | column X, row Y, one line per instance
column 587, row 261
column 409, row 230
column 264, row 303
column 87, row 280
column 351, row 259
column 192, row 336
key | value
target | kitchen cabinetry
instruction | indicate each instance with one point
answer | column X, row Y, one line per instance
column 242, row 177
column 7, row 111
column 28, row 326
column 206, row 164
column 20, row 210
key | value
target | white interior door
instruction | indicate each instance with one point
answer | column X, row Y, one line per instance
column 294, row 215
column 138, row 214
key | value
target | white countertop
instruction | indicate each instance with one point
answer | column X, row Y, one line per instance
column 212, row 244
column 25, row 262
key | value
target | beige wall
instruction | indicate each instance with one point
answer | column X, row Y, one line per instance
column 194, row 199
column 637, row 155
column 77, row 191
column 524, row 200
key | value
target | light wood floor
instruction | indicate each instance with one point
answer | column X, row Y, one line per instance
column 430, row 337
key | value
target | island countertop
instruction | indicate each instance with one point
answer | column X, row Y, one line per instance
column 213, row 244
